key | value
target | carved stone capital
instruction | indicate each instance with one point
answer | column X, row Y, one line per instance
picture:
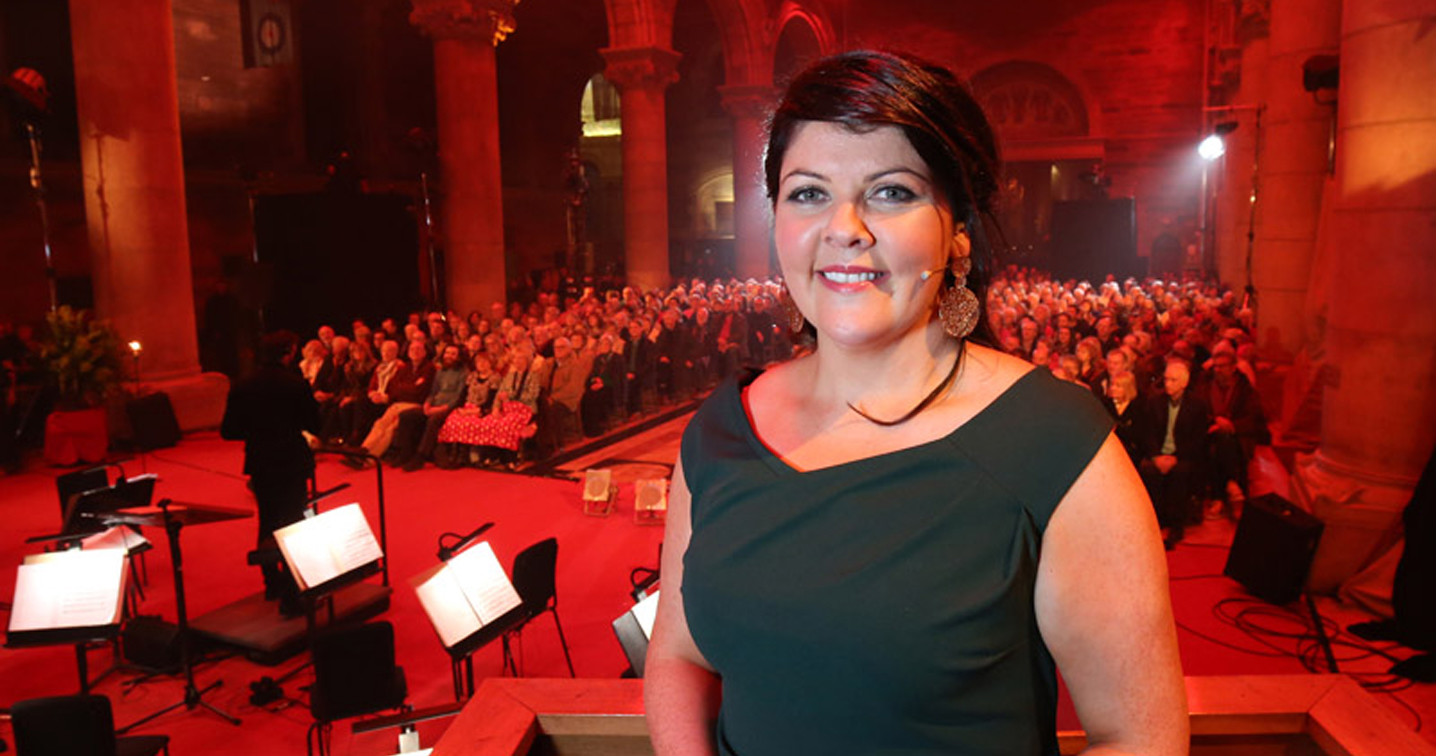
column 641, row 67
column 748, row 101
column 1252, row 20
column 489, row 20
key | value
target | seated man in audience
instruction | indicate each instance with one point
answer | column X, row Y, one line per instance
column 419, row 428
column 1175, row 451
column 637, row 363
column 672, row 350
column 568, row 371
column 325, row 334
column 1117, row 361
column 330, row 381
column 1238, row 425
column 406, row 389
column 597, row 406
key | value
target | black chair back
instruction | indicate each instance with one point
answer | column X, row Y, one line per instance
column 533, row 573
column 78, row 482
column 64, row 726
column 355, row 672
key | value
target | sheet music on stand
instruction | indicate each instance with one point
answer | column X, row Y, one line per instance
column 466, row 595
column 116, row 537
column 329, row 547
column 65, row 596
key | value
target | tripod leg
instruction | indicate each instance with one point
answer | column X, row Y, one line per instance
column 212, row 709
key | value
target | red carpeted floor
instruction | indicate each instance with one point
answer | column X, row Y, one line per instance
column 1222, row 631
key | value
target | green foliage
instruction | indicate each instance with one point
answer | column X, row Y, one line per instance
column 81, row 356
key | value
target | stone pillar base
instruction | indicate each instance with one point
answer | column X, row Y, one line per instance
column 199, row 399
column 1361, row 516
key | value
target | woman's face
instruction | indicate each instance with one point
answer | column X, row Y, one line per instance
column 858, row 220
column 1122, row 389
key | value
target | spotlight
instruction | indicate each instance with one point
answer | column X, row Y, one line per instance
column 1212, row 147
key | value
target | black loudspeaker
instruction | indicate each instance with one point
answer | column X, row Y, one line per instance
column 152, row 643
column 1090, row 239
column 152, row 420
column 1274, row 545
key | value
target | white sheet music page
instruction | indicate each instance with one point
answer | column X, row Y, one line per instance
column 445, row 604
column 354, row 544
column 70, row 589
column 484, row 582
column 328, row 545
column 117, row 537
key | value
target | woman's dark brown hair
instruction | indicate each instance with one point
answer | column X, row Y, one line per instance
column 866, row 89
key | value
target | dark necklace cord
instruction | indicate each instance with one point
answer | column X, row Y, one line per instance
column 926, row 402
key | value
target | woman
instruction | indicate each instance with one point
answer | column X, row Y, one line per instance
column 312, row 358
column 463, row 425
column 338, row 425
column 1092, row 360
column 517, row 398
column 860, row 568
column 1130, row 419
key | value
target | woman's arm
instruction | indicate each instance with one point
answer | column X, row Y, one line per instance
column 682, row 692
column 1102, row 600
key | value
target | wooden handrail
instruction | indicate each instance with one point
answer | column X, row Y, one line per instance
column 1326, row 714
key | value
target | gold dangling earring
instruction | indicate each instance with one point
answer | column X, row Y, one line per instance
column 793, row 317
column 959, row 307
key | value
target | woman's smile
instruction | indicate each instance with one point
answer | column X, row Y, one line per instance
column 849, row 278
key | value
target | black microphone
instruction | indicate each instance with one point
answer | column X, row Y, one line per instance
column 446, row 552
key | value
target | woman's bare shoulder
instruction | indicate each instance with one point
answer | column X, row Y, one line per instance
column 779, row 385
column 989, row 372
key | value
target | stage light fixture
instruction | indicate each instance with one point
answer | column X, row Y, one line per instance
column 1211, row 147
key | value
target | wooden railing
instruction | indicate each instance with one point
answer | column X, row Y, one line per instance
column 1283, row 715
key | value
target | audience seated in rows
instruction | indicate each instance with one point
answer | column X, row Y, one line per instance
column 1172, row 361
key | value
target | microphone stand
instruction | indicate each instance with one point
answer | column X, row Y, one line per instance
column 37, row 184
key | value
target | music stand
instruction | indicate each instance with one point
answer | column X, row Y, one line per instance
column 174, row 516
column 470, row 602
column 44, row 579
column 85, row 512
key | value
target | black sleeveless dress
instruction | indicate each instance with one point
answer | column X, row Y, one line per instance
column 885, row 605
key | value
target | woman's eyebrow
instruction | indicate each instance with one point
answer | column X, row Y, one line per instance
column 899, row 169
column 803, row 172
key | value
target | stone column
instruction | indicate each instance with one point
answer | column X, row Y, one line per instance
column 134, row 178
column 642, row 74
column 1378, row 411
column 1233, row 204
column 1293, row 169
column 467, row 114
column 749, row 105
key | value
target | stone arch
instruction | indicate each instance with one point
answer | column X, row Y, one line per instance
column 743, row 26
column 801, row 35
column 1028, row 101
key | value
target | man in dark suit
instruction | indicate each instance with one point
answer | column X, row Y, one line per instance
column 1175, row 452
column 268, row 411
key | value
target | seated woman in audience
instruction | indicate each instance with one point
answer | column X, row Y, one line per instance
column 517, row 398
column 312, row 358
column 1092, row 361
column 336, row 418
column 1130, row 420
column 458, row 439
